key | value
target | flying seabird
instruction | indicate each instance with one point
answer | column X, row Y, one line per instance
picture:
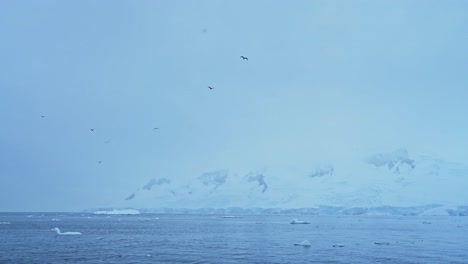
column 156, row 128
column 211, row 88
column 99, row 161
column 92, row 129
column 42, row 116
column 244, row 58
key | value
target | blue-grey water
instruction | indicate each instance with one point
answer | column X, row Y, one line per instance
column 155, row 238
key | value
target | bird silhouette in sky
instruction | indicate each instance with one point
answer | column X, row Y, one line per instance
column 99, row 161
column 156, row 128
column 244, row 58
column 107, row 141
column 211, row 88
column 92, row 129
column 42, row 116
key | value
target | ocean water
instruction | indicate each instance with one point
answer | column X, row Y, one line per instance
column 155, row 238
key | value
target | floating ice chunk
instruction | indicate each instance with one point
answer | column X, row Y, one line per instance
column 66, row 233
column 295, row 221
column 338, row 245
column 55, row 219
column 5, row 223
column 304, row 243
column 382, row 243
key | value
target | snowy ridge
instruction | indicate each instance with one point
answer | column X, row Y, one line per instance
column 425, row 210
column 379, row 183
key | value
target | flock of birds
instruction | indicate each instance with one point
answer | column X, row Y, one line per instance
column 57, row 230
column 242, row 57
column 156, row 128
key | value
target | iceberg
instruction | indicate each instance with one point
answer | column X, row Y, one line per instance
column 295, row 221
column 304, row 243
column 118, row 212
column 65, row 233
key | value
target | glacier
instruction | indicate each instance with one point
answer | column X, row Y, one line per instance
column 396, row 182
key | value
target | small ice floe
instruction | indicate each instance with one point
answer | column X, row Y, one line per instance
column 338, row 245
column 5, row 223
column 426, row 223
column 149, row 255
column 29, row 216
column 295, row 221
column 382, row 243
column 231, row 216
column 55, row 219
column 304, row 243
column 66, row 233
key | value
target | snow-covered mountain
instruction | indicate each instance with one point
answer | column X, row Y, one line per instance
column 397, row 178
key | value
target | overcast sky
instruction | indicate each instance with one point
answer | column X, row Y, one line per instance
column 324, row 80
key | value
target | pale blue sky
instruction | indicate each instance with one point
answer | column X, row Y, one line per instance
column 324, row 80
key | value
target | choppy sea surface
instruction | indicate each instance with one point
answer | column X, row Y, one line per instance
column 156, row 238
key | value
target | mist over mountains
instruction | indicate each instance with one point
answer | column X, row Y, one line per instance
column 369, row 185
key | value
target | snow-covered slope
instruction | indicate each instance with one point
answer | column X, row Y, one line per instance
column 395, row 178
